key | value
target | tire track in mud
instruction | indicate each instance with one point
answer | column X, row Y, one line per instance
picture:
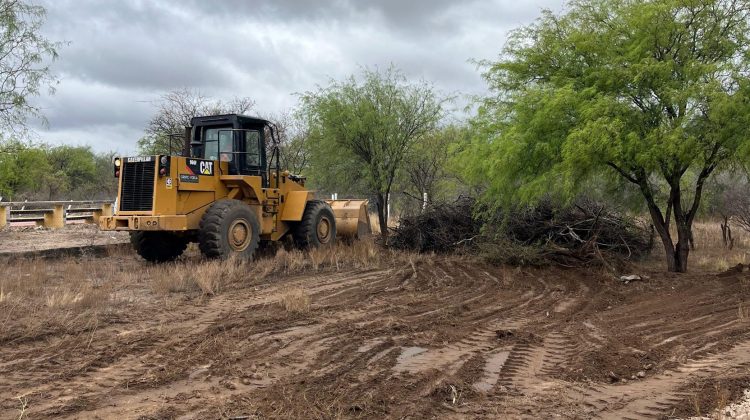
column 519, row 365
column 654, row 397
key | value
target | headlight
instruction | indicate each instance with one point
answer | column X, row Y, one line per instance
column 164, row 160
column 117, row 162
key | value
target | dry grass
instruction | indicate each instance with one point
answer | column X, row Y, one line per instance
column 709, row 254
column 41, row 296
column 215, row 276
column 295, row 300
column 75, row 295
column 360, row 254
column 743, row 312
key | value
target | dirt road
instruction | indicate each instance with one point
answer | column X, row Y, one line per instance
column 414, row 337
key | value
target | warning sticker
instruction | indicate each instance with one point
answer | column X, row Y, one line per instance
column 169, row 183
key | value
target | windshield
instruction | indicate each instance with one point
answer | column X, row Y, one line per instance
column 218, row 144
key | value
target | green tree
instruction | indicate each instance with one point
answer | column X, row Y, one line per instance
column 24, row 61
column 361, row 131
column 24, row 170
column 71, row 167
column 653, row 92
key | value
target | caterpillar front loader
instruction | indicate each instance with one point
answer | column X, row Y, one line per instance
column 226, row 194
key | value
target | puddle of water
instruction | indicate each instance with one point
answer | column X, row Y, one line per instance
column 492, row 368
column 407, row 354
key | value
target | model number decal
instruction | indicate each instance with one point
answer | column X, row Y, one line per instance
column 200, row 167
column 193, row 179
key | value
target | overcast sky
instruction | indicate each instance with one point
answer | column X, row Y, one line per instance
column 122, row 55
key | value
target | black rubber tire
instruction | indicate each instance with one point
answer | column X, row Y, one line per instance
column 306, row 234
column 157, row 246
column 214, row 234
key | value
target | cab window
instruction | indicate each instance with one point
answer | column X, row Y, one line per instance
column 218, row 143
column 252, row 148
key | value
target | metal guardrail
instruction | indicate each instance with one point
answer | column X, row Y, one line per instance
column 53, row 214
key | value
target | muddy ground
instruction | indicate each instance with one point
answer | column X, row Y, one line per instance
column 401, row 336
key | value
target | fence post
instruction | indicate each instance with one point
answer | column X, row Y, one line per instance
column 56, row 218
column 4, row 210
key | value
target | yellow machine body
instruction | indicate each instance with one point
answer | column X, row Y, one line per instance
column 153, row 196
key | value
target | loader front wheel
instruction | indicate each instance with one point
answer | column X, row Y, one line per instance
column 317, row 227
column 229, row 227
column 158, row 247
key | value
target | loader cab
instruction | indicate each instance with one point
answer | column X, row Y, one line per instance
column 236, row 139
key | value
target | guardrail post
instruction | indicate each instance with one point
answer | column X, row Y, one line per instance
column 4, row 210
column 96, row 214
column 56, row 218
column 106, row 209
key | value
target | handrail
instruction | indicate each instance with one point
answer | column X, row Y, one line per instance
column 51, row 203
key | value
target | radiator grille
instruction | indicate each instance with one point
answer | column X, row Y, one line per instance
column 137, row 186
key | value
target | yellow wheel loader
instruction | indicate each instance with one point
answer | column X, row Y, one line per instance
column 226, row 194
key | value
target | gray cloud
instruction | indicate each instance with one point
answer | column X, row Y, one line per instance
column 123, row 55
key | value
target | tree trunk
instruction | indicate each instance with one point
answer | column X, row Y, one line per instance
column 726, row 233
column 660, row 225
column 382, row 205
column 666, row 240
column 682, row 249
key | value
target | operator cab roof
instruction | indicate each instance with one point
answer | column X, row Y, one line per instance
column 228, row 119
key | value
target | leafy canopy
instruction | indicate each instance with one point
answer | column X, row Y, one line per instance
column 24, row 62
column 655, row 92
column 362, row 129
column 646, row 90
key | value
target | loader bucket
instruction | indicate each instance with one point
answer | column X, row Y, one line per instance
column 352, row 220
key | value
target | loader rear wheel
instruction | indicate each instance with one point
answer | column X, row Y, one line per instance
column 158, row 247
column 318, row 226
column 229, row 227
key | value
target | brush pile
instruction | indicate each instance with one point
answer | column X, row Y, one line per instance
column 441, row 228
column 578, row 234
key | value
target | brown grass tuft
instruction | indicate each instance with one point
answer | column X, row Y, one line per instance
column 41, row 296
column 210, row 277
column 295, row 300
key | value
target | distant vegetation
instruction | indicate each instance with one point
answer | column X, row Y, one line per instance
column 44, row 172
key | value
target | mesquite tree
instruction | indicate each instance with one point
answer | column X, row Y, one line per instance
column 653, row 92
column 25, row 56
column 361, row 131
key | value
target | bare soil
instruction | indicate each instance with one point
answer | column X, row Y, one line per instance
column 31, row 239
column 408, row 337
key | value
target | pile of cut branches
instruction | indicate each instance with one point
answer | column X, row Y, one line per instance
column 578, row 234
column 439, row 228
